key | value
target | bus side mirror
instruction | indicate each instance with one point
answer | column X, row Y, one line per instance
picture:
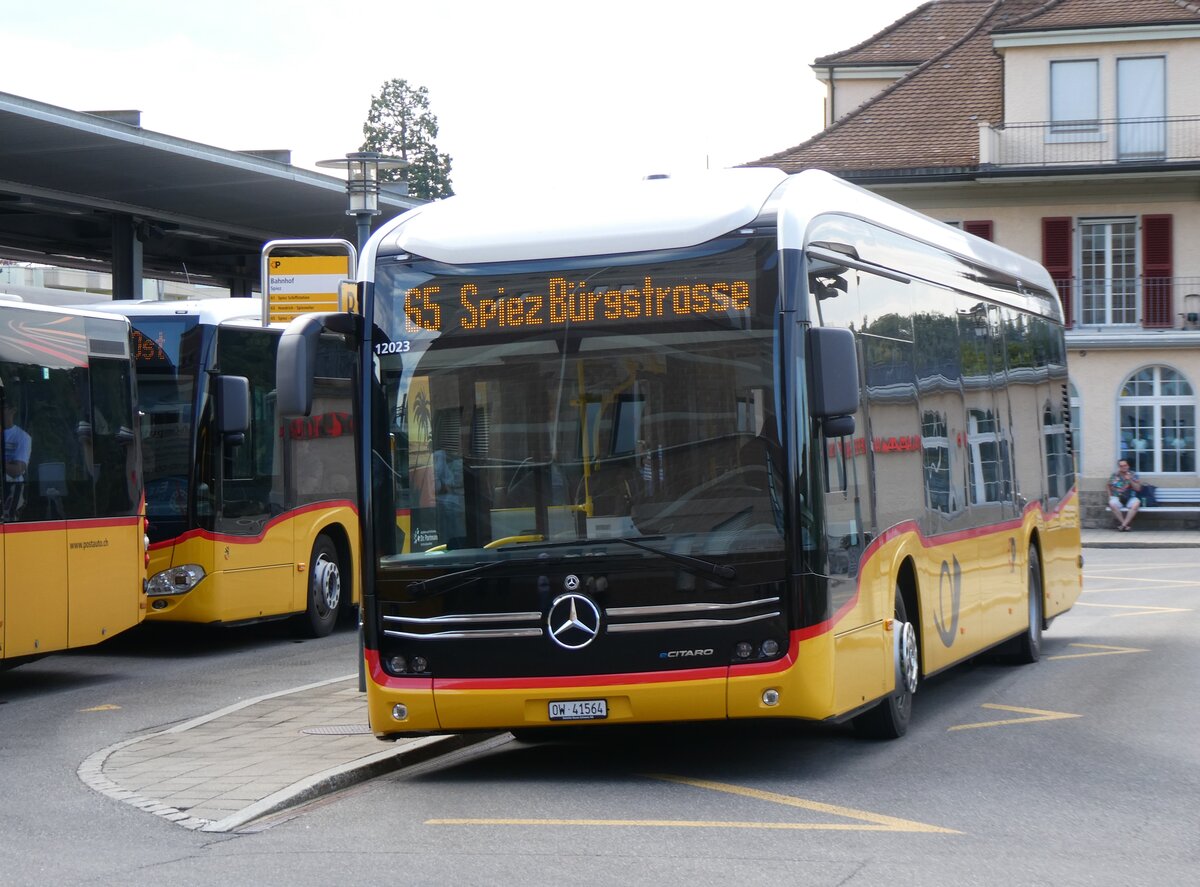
column 833, row 379
column 838, row 426
column 296, row 359
column 233, row 408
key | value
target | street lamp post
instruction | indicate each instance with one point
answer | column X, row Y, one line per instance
column 362, row 185
column 362, row 190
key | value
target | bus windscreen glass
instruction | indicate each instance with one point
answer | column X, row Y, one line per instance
column 580, row 400
column 165, row 353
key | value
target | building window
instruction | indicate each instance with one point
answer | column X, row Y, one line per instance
column 1108, row 271
column 1141, row 108
column 1157, row 411
column 1074, row 96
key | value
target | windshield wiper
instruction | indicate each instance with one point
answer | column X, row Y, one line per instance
column 448, row 582
column 695, row 564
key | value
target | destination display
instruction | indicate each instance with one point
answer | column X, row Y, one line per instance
column 148, row 349
column 557, row 301
column 156, row 340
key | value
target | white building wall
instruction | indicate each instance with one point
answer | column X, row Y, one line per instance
column 1027, row 75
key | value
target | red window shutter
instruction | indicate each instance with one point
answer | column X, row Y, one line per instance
column 979, row 228
column 1158, row 308
column 1056, row 257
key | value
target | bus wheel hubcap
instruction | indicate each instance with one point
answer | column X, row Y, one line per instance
column 328, row 582
column 908, row 667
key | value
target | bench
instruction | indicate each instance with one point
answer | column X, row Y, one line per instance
column 1171, row 499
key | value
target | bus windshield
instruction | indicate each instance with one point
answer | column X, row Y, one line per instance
column 166, row 352
column 580, row 400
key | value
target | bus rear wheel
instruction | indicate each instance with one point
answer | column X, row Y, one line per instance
column 324, row 589
column 888, row 719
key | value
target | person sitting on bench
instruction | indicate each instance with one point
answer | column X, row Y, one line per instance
column 1123, row 488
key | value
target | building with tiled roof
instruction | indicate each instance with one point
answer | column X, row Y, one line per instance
column 858, row 74
column 1069, row 131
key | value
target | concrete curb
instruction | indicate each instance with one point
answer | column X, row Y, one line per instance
column 337, row 778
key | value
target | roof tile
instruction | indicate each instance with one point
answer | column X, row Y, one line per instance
column 924, row 32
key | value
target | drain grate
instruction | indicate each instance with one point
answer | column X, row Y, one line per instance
column 338, row 730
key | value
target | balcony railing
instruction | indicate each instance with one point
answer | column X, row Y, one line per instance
column 1083, row 143
column 1142, row 301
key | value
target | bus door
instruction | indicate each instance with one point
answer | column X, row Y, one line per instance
column 844, row 527
column 254, row 537
column 102, row 496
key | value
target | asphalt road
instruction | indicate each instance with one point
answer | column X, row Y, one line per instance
column 1081, row 769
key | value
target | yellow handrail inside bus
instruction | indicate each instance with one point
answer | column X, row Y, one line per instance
column 512, row 540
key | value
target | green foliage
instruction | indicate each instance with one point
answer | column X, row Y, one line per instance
column 400, row 124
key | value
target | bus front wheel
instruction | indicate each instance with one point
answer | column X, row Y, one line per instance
column 1027, row 648
column 324, row 589
column 888, row 718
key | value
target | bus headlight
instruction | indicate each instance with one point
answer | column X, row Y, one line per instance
column 176, row 580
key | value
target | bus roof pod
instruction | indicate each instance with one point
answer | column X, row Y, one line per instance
column 672, row 212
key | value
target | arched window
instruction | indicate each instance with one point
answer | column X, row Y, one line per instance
column 1157, row 411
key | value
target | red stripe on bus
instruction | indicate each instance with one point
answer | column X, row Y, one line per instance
column 252, row 540
column 71, row 524
column 812, row 631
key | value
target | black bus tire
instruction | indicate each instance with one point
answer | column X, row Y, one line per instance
column 324, row 589
column 888, row 718
column 1028, row 648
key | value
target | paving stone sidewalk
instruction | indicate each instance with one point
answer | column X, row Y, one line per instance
column 223, row 770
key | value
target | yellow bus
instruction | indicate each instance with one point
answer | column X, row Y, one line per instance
column 72, row 539
column 250, row 518
column 735, row 445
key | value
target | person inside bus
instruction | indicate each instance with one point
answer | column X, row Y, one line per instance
column 448, row 485
column 1123, row 487
column 17, row 448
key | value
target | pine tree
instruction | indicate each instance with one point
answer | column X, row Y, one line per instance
column 400, row 124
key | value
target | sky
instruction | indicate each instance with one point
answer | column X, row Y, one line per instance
column 526, row 92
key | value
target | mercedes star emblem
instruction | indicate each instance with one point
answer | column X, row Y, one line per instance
column 573, row 620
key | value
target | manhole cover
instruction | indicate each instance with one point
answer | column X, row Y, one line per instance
column 338, row 730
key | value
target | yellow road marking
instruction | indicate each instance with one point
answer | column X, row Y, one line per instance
column 866, row 821
column 108, row 706
column 1140, row 609
column 890, row 823
column 1036, row 714
column 1105, row 651
column 689, row 823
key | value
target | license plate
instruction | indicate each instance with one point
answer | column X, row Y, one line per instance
column 579, row 710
